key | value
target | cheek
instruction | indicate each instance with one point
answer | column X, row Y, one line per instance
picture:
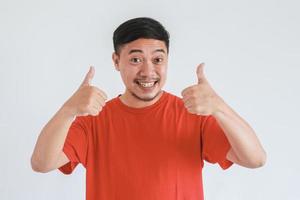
column 163, row 72
column 128, row 75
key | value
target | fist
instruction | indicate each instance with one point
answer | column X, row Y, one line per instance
column 200, row 99
column 87, row 100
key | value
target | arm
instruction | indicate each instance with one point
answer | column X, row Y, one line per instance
column 201, row 99
column 246, row 149
column 48, row 152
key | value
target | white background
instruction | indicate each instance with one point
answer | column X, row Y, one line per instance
column 252, row 55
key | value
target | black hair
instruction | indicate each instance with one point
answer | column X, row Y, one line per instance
column 141, row 27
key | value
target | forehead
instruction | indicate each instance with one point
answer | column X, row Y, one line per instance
column 144, row 46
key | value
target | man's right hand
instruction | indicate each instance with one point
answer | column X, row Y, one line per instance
column 88, row 99
column 48, row 152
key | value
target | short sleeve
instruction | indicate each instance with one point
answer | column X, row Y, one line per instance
column 215, row 144
column 76, row 144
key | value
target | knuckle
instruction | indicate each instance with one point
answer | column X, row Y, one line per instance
column 90, row 100
column 88, row 107
column 193, row 97
column 198, row 108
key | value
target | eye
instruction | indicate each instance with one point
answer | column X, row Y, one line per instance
column 135, row 60
column 158, row 60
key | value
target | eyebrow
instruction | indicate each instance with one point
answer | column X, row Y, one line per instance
column 140, row 51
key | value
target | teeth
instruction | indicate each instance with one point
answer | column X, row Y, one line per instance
column 147, row 84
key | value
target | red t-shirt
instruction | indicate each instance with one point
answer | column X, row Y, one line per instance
column 150, row 153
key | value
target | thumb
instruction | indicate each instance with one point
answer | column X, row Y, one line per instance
column 88, row 77
column 200, row 73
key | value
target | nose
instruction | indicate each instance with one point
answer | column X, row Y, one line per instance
column 147, row 69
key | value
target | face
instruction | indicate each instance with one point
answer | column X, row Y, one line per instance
column 143, row 66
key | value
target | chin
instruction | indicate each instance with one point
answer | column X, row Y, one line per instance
column 146, row 97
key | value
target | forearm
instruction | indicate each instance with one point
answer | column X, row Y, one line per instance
column 51, row 139
column 240, row 135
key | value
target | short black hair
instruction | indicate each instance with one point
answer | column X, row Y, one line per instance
column 141, row 27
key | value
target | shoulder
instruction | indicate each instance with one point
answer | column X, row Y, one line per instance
column 174, row 100
column 177, row 105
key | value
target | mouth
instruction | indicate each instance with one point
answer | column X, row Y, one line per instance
column 147, row 84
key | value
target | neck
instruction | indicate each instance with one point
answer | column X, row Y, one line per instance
column 132, row 101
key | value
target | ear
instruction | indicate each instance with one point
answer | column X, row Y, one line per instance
column 116, row 59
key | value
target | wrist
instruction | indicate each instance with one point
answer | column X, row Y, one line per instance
column 68, row 111
column 219, row 106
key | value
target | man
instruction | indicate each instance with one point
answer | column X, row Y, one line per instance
column 145, row 143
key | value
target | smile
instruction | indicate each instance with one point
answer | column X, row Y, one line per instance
column 146, row 84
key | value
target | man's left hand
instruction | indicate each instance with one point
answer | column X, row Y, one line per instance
column 201, row 99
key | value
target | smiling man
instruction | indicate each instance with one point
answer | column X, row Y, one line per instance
column 145, row 143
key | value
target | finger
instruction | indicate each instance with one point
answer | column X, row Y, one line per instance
column 94, row 109
column 102, row 93
column 186, row 91
column 85, row 114
column 94, row 112
column 95, row 104
column 200, row 73
column 188, row 97
column 100, row 100
column 188, row 103
column 196, row 109
column 89, row 76
column 191, row 110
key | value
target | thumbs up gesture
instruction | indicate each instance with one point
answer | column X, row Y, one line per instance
column 201, row 99
column 88, row 99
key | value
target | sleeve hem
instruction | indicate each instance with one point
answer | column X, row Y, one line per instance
column 70, row 166
column 225, row 164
